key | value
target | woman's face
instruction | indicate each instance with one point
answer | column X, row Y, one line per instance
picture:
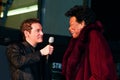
column 75, row 27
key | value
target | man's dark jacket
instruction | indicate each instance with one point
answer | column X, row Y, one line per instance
column 24, row 61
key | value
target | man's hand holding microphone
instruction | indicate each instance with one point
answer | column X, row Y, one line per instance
column 48, row 50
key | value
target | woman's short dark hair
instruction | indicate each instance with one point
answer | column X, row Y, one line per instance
column 82, row 13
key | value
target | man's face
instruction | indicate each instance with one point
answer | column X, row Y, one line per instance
column 75, row 27
column 36, row 34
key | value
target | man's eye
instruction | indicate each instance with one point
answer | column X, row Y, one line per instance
column 37, row 30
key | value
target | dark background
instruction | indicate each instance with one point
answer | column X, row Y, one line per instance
column 108, row 12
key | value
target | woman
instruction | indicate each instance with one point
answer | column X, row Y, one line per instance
column 88, row 56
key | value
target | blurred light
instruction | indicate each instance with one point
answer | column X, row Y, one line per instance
column 21, row 10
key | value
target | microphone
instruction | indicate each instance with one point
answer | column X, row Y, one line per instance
column 50, row 40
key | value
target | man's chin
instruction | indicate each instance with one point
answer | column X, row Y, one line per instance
column 40, row 41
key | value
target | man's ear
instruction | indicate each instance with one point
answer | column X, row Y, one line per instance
column 26, row 33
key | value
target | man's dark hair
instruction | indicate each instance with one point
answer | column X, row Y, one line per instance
column 26, row 25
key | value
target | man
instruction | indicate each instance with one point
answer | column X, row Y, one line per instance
column 23, row 57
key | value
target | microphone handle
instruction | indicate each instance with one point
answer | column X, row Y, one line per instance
column 47, row 57
column 48, row 54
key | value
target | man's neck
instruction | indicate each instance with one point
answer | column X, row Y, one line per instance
column 31, row 43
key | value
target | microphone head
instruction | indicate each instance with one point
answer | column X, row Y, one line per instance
column 51, row 39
